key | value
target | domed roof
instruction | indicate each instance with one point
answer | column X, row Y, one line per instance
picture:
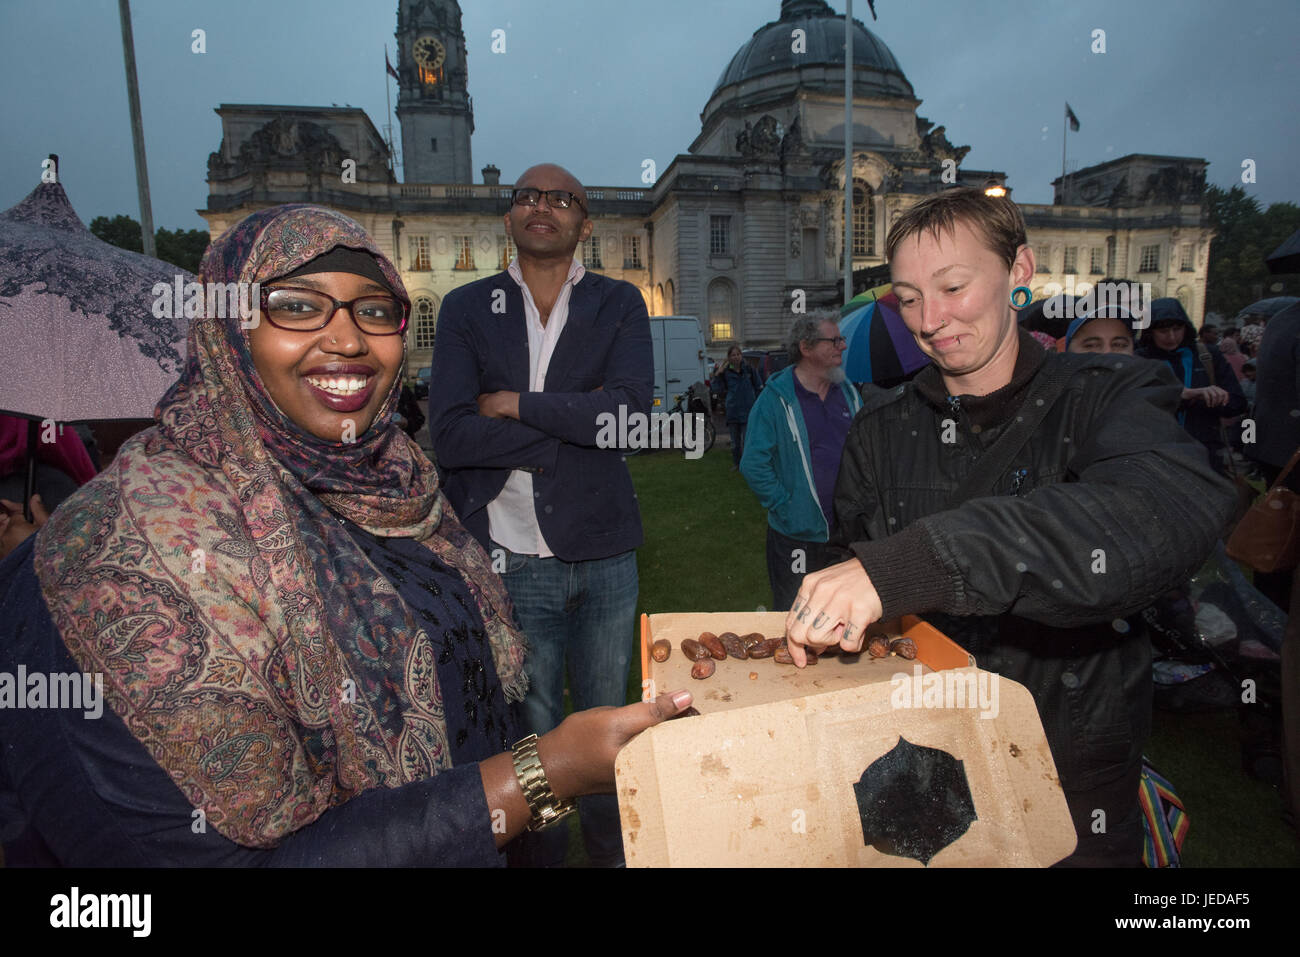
column 770, row 50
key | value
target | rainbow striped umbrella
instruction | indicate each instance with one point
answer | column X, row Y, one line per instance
column 880, row 348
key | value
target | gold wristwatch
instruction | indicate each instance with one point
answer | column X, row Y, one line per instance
column 545, row 806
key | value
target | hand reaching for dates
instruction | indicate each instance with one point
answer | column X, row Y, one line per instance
column 834, row 607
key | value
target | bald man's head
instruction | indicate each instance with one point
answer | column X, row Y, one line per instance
column 552, row 176
column 547, row 231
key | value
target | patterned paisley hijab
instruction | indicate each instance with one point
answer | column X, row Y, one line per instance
column 243, row 636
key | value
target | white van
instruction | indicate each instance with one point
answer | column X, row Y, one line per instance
column 679, row 358
column 681, row 369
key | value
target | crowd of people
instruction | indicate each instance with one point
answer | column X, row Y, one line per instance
column 318, row 647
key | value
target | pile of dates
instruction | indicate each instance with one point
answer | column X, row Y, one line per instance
column 708, row 648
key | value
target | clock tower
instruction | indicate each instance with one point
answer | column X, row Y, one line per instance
column 433, row 103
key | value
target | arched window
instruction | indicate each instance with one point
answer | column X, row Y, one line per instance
column 658, row 307
column 424, row 316
column 864, row 219
column 722, row 311
column 1184, row 296
column 668, row 298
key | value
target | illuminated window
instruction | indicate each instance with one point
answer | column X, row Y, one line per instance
column 506, row 244
column 722, row 310
column 430, row 79
column 1150, row 259
column 720, row 235
column 864, row 220
column 420, row 254
column 464, row 252
column 423, row 319
column 632, row 252
column 1097, row 255
column 591, row 253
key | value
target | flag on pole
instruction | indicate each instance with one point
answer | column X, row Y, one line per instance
column 393, row 73
column 1074, row 120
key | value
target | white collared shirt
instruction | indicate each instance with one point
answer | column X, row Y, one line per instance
column 512, row 515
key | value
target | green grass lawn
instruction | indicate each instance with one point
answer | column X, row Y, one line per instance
column 704, row 551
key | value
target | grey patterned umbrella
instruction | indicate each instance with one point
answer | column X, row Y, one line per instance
column 81, row 340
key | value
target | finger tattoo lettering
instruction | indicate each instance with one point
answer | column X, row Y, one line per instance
column 819, row 620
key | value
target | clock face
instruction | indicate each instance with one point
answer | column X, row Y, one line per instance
column 429, row 52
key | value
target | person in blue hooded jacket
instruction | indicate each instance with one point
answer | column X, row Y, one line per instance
column 795, row 438
column 738, row 382
column 1211, row 393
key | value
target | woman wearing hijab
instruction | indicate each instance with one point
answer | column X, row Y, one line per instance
column 282, row 645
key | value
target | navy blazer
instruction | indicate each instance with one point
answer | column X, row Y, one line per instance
column 584, row 500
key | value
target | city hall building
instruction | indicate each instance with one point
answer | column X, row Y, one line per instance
column 753, row 210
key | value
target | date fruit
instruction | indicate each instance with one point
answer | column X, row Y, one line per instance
column 766, row 648
column 688, row 713
column 661, row 649
column 878, row 646
column 783, row 656
column 751, row 639
column 711, row 642
column 903, row 647
column 703, row 668
column 734, row 646
column 693, row 650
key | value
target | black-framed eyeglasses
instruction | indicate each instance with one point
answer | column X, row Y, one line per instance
column 306, row 310
column 555, row 198
column 838, row 340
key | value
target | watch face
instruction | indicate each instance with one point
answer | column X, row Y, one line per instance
column 429, row 52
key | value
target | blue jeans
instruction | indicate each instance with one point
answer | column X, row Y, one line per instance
column 583, row 612
column 737, row 441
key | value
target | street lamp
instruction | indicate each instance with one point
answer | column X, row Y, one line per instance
column 993, row 188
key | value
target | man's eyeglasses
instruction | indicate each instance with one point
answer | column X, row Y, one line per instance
column 306, row 310
column 555, row 198
column 838, row 340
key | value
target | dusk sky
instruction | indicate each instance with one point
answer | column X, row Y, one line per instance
column 599, row 87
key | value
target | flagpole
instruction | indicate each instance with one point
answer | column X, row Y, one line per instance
column 137, row 130
column 1065, row 131
column 388, row 115
column 848, row 151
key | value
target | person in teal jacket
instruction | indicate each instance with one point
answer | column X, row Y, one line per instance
column 796, row 435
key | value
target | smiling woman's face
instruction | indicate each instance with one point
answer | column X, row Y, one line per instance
column 331, row 382
column 954, row 296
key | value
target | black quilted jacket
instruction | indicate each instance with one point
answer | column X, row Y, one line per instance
column 1108, row 505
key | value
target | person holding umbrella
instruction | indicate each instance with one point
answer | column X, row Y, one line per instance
column 303, row 656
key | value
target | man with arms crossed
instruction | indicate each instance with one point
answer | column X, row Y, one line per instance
column 525, row 364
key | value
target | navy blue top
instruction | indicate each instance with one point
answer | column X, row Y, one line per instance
column 828, row 428
column 602, row 365
column 741, row 387
column 83, row 791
